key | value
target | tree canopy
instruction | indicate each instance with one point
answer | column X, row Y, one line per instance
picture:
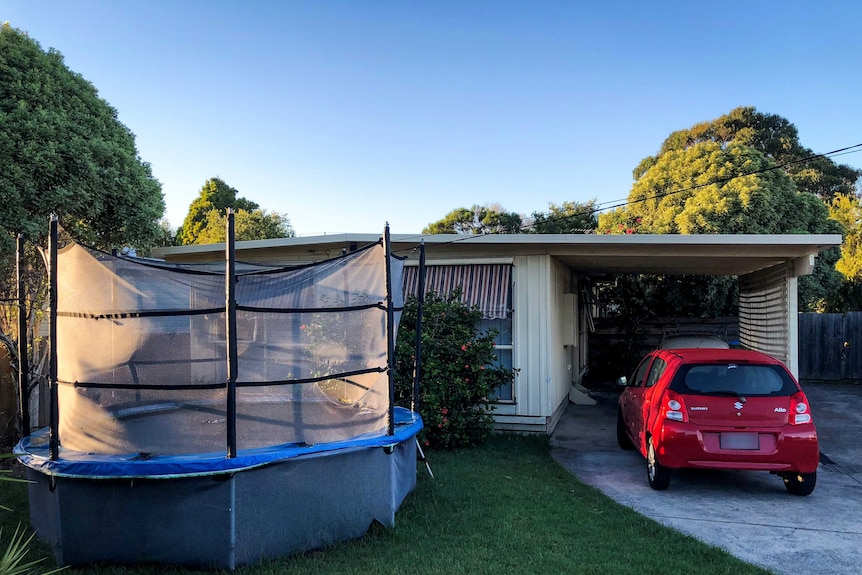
column 846, row 209
column 488, row 219
column 724, row 177
column 63, row 151
column 205, row 222
column 699, row 190
column 773, row 136
column 567, row 218
column 256, row 224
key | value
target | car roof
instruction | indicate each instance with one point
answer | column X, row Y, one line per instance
column 693, row 340
column 698, row 355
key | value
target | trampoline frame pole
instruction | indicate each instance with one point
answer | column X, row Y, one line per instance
column 230, row 334
column 53, row 403
column 390, row 331
column 420, row 309
column 23, row 359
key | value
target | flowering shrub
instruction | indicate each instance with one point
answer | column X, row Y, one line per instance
column 459, row 370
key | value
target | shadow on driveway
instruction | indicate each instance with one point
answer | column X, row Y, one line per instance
column 747, row 513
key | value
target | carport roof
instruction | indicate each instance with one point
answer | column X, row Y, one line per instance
column 716, row 254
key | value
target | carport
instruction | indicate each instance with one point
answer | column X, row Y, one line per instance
column 541, row 281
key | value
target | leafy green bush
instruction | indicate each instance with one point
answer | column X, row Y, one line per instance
column 459, row 370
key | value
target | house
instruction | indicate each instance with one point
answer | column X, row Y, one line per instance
column 535, row 290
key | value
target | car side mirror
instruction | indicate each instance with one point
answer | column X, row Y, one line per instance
column 622, row 381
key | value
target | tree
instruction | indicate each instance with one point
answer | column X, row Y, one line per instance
column 488, row 219
column 568, row 218
column 214, row 195
column 772, row 135
column 699, row 189
column 846, row 209
column 696, row 191
column 63, row 151
column 778, row 139
column 248, row 225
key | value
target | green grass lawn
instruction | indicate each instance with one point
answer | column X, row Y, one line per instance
column 506, row 507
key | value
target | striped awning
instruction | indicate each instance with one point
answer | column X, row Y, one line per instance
column 488, row 286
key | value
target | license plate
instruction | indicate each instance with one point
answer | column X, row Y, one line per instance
column 739, row 441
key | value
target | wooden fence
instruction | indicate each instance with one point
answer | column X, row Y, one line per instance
column 830, row 346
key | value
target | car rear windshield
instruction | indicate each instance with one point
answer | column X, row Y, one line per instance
column 733, row 379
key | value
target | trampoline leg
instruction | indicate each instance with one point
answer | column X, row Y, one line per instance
column 423, row 459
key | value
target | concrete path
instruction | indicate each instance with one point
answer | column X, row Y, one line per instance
column 749, row 514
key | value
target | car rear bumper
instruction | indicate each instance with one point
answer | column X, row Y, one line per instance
column 788, row 448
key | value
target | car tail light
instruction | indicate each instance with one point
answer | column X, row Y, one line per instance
column 800, row 411
column 673, row 407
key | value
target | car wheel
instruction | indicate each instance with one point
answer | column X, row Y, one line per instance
column 657, row 474
column 800, row 483
column 622, row 438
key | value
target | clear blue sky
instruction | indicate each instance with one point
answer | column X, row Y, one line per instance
column 348, row 114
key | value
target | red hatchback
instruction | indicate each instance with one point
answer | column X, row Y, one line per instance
column 718, row 409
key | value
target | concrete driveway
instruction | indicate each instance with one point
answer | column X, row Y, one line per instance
column 747, row 513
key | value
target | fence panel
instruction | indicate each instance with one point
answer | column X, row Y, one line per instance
column 830, row 346
column 853, row 351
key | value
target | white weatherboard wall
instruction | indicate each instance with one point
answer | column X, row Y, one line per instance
column 562, row 328
column 543, row 380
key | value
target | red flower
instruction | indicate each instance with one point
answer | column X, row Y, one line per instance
column 302, row 327
column 467, row 379
column 466, row 367
column 621, row 226
column 630, row 231
column 639, row 220
column 427, row 443
column 463, row 348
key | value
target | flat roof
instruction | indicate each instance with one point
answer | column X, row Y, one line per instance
column 712, row 254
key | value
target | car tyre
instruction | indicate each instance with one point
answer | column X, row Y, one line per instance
column 622, row 437
column 657, row 474
column 800, row 483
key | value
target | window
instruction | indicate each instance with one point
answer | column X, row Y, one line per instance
column 640, row 372
column 733, row 379
column 488, row 286
column 503, row 346
column 658, row 367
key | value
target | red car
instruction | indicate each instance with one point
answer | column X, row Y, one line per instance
column 718, row 409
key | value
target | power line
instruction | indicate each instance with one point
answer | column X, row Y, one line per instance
column 726, row 179
column 612, row 204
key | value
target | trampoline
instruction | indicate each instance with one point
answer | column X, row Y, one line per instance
column 216, row 415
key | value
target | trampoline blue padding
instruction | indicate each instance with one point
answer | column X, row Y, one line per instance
column 33, row 452
column 211, row 511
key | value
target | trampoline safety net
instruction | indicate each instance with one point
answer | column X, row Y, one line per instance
column 142, row 353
